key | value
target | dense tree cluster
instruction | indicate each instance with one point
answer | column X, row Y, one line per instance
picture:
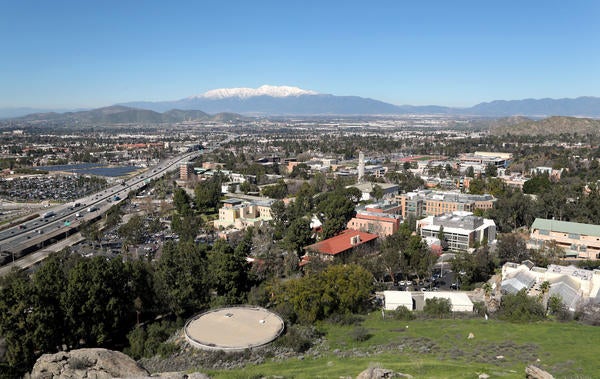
column 337, row 289
column 73, row 301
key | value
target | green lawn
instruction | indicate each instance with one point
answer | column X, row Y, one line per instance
column 440, row 349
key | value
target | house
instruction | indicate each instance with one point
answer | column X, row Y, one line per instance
column 578, row 240
column 339, row 246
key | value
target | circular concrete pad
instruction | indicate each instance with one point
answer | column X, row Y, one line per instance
column 233, row 328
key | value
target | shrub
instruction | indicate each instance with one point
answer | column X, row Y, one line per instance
column 148, row 341
column 402, row 313
column 479, row 308
column 558, row 309
column 521, row 308
column 167, row 349
column 360, row 334
column 346, row 319
column 437, row 307
column 589, row 314
column 298, row 338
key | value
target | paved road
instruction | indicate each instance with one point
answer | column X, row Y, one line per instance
column 33, row 258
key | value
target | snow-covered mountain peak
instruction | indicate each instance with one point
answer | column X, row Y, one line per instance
column 264, row 90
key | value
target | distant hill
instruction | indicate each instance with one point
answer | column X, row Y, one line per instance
column 579, row 107
column 118, row 114
column 549, row 126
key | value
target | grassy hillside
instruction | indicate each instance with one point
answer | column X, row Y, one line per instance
column 549, row 126
column 440, row 349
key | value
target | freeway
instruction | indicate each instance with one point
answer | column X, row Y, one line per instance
column 62, row 219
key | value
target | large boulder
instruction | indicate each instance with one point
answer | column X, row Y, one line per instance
column 87, row 363
column 534, row 372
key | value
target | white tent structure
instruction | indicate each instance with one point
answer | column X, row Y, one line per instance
column 459, row 301
column 395, row 299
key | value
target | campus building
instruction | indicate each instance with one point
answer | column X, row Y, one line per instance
column 338, row 247
column 433, row 203
column 239, row 214
column 577, row 240
column 382, row 219
column 461, row 230
column 573, row 285
column 484, row 158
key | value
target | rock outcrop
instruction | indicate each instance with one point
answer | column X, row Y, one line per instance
column 87, row 363
column 534, row 372
column 381, row 373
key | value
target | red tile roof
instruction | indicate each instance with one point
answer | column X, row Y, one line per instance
column 342, row 242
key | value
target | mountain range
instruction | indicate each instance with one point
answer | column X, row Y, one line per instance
column 293, row 101
column 118, row 114
column 284, row 100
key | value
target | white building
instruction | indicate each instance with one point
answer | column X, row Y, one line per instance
column 461, row 230
column 459, row 301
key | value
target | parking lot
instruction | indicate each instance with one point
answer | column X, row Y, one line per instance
column 39, row 188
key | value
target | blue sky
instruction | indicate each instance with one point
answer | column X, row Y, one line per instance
column 458, row 53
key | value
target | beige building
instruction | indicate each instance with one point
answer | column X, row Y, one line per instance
column 239, row 214
column 433, row 203
column 579, row 240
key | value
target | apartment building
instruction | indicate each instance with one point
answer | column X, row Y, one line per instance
column 186, row 171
